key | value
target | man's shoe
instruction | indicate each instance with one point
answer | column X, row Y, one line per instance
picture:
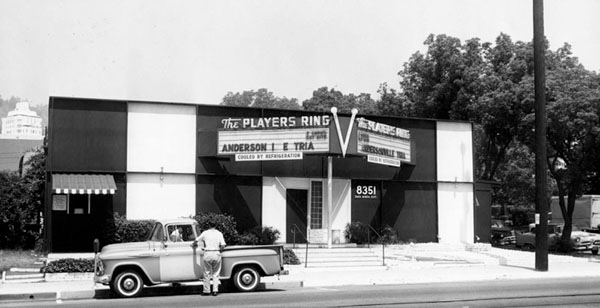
column 205, row 294
column 214, row 293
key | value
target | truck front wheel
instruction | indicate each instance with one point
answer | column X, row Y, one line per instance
column 246, row 279
column 128, row 283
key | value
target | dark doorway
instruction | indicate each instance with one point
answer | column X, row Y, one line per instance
column 75, row 230
column 296, row 215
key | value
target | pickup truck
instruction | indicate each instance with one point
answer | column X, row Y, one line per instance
column 164, row 258
column 581, row 240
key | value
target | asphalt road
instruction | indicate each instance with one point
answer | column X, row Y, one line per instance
column 505, row 293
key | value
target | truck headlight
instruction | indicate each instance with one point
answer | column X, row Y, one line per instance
column 577, row 240
column 99, row 267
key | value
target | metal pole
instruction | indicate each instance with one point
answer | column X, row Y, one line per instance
column 541, row 204
column 329, row 198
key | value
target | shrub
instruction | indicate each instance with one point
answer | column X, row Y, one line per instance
column 289, row 257
column 70, row 265
column 120, row 230
column 247, row 239
column 19, row 210
column 521, row 214
column 388, row 235
column 561, row 245
column 224, row 223
column 260, row 235
column 358, row 232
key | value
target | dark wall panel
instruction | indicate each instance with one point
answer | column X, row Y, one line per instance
column 483, row 212
column 366, row 207
column 238, row 196
column 411, row 209
column 87, row 135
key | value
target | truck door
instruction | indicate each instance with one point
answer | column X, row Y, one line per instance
column 178, row 260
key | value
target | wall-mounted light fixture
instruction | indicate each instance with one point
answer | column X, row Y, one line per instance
column 162, row 174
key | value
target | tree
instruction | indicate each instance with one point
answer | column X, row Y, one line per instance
column 517, row 174
column 502, row 102
column 391, row 102
column 430, row 80
column 261, row 98
column 323, row 99
column 21, row 203
column 473, row 82
column 492, row 86
column 573, row 96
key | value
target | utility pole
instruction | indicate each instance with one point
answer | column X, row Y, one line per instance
column 541, row 178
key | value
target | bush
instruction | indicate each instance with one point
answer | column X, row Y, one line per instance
column 388, row 235
column 259, row 235
column 120, row 230
column 224, row 223
column 70, row 265
column 289, row 257
column 560, row 245
column 521, row 214
column 19, row 210
column 358, row 233
column 247, row 239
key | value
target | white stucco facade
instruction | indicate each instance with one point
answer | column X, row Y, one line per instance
column 455, row 182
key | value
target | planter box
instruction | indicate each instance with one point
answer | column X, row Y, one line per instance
column 69, row 276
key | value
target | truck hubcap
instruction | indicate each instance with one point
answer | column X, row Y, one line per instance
column 247, row 278
column 128, row 284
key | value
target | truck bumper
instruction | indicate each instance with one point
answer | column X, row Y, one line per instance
column 104, row 279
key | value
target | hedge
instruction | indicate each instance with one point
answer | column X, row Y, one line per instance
column 70, row 265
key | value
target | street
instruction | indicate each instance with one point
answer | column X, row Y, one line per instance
column 582, row 292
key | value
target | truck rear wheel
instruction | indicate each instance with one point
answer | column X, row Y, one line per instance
column 128, row 283
column 246, row 279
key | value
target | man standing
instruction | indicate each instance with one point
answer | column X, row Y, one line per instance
column 213, row 243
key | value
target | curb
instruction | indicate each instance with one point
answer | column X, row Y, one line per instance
column 28, row 296
column 274, row 285
column 75, row 295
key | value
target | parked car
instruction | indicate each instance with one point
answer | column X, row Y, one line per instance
column 503, row 236
column 580, row 240
column 128, row 267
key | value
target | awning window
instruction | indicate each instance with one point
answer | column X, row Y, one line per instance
column 83, row 184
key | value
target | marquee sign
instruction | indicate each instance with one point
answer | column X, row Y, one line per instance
column 289, row 138
column 382, row 143
column 273, row 138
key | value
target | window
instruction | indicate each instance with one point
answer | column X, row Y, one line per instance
column 157, row 233
column 180, row 233
column 316, row 205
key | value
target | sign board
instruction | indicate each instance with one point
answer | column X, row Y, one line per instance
column 59, row 202
column 268, row 156
column 383, row 144
column 383, row 160
column 274, row 138
column 366, row 189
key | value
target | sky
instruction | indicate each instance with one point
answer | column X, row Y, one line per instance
column 198, row 51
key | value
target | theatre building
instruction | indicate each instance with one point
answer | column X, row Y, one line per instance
column 306, row 174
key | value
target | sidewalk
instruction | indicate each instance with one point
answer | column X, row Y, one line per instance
column 405, row 265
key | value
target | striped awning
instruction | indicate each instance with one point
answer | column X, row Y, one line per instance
column 83, row 184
